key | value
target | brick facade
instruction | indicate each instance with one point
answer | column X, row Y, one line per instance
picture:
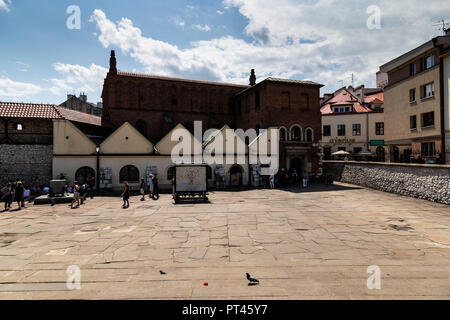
column 154, row 105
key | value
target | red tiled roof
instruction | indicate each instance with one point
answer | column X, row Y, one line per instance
column 344, row 98
column 45, row 111
column 376, row 98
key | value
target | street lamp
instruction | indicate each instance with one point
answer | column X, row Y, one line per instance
column 97, row 150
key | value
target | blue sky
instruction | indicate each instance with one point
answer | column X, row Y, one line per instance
column 41, row 60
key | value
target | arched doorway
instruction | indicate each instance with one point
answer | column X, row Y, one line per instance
column 83, row 174
column 236, row 175
column 380, row 154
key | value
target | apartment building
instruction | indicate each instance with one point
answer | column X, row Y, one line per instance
column 416, row 103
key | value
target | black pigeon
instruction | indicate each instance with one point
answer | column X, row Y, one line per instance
column 162, row 272
column 251, row 279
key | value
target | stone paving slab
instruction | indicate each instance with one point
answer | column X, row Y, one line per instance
column 313, row 244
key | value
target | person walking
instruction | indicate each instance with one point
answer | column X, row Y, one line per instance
column 155, row 187
column 76, row 195
column 126, row 195
column 142, row 189
column 7, row 194
column 91, row 184
column 272, row 181
column 295, row 178
column 18, row 195
column 150, row 185
column 305, row 180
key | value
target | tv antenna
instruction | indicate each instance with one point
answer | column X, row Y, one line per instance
column 442, row 25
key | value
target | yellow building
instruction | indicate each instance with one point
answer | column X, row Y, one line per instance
column 416, row 103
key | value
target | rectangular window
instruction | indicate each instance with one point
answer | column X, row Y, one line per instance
column 341, row 109
column 412, row 95
column 326, row 131
column 428, row 149
column 427, row 119
column 356, row 129
column 413, row 122
column 413, row 69
column 428, row 62
column 379, row 128
column 257, row 100
column 428, row 90
column 341, row 130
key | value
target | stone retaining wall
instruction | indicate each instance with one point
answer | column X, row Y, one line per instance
column 30, row 163
column 430, row 182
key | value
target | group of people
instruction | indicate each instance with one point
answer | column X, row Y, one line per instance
column 14, row 192
column 284, row 179
column 81, row 191
column 151, row 186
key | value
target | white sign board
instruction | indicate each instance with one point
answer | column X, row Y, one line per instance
column 190, row 178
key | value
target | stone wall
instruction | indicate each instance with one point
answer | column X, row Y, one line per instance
column 30, row 163
column 430, row 182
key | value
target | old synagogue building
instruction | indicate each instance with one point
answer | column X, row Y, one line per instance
column 154, row 105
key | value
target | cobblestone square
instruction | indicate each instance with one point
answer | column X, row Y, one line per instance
column 313, row 244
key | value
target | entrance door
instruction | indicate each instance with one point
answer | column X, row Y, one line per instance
column 297, row 164
column 83, row 174
column 236, row 176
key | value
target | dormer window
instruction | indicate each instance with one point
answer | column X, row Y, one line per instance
column 342, row 109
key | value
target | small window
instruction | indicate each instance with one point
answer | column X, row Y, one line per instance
column 428, row 149
column 296, row 133
column 326, row 131
column 427, row 91
column 427, row 119
column 19, row 127
column 412, row 95
column 379, row 128
column 341, row 130
column 413, row 69
column 428, row 62
column 309, row 135
column 356, row 130
column 413, row 122
column 282, row 134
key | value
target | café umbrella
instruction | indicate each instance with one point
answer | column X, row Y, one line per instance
column 341, row 153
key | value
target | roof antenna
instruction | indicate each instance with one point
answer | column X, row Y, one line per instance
column 353, row 80
column 441, row 24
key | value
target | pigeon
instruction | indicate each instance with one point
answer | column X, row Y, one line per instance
column 162, row 272
column 251, row 279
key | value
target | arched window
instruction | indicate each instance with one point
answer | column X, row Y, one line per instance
column 83, row 174
column 296, row 133
column 309, row 135
column 129, row 173
column 170, row 173
column 282, row 134
column 141, row 126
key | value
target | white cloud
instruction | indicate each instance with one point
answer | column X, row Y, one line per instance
column 4, row 5
column 76, row 78
column 23, row 67
column 11, row 89
column 321, row 40
column 220, row 12
column 205, row 28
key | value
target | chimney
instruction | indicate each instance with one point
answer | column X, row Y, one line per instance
column 113, row 63
column 252, row 78
column 83, row 97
